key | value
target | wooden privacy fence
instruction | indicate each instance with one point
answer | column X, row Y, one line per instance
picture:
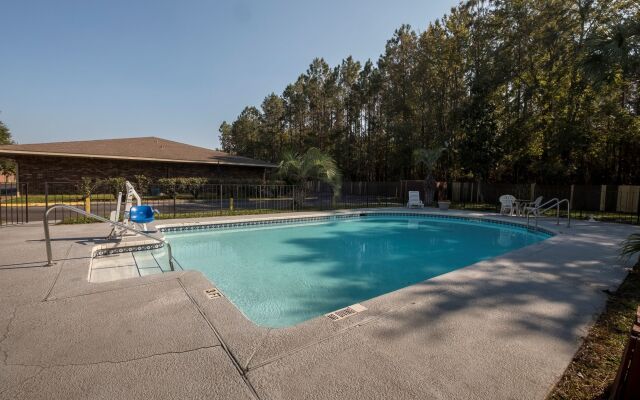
column 622, row 199
column 628, row 198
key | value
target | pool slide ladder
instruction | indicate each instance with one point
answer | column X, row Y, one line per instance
column 47, row 236
column 548, row 205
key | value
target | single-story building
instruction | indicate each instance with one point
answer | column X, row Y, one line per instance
column 149, row 156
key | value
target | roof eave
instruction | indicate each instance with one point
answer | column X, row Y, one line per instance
column 74, row 155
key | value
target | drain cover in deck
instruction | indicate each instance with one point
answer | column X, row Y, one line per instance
column 213, row 293
column 345, row 312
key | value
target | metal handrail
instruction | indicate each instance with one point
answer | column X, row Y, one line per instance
column 47, row 236
column 554, row 200
column 546, row 206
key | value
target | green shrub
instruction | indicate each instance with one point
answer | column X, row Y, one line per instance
column 192, row 185
column 631, row 245
column 86, row 186
column 78, row 220
column 141, row 183
column 114, row 185
column 169, row 186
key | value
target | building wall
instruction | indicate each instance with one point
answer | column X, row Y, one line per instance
column 36, row 170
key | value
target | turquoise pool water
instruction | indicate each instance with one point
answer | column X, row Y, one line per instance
column 281, row 275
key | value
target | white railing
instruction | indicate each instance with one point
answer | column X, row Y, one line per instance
column 47, row 236
column 548, row 205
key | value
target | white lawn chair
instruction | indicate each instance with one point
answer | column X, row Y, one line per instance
column 414, row 200
column 507, row 204
column 533, row 207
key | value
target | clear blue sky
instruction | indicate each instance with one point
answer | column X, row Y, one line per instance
column 82, row 69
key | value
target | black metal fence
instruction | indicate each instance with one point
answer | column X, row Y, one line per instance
column 14, row 203
column 617, row 203
column 220, row 199
column 173, row 201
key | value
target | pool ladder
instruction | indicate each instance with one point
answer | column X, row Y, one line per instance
column 47, row 236
column 548, row 205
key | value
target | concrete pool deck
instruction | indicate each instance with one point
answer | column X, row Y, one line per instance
column 499, row 329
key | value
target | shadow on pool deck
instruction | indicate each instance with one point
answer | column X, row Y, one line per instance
column 503, row 328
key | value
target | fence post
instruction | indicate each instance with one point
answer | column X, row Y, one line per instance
column 603, row 197
column 366, row 192
column 571, row 196
column 638, row 202
column 26, row 201
column 475, row 193
column 533, row 190
column 1, row 205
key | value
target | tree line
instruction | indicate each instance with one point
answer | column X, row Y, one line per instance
column 7, row 166
column 513, row 90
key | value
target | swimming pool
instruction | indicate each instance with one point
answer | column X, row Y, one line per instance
column 281, row 274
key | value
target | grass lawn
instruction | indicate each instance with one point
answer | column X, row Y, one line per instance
column 54, row 198
column 40, row 199
column 594, row 367
column 474, row 206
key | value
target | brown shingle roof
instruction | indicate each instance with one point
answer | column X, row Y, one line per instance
column 141, row 148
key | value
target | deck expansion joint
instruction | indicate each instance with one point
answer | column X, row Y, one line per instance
column 55, row 280
column 223, row 344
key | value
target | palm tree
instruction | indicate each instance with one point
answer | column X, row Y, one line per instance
column 314, row 165
column 610, row 51
column 631, row 246
column 428, row 158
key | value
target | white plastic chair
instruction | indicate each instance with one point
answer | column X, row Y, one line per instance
column 507, row 204
column 414, row 200
column 533, row 207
